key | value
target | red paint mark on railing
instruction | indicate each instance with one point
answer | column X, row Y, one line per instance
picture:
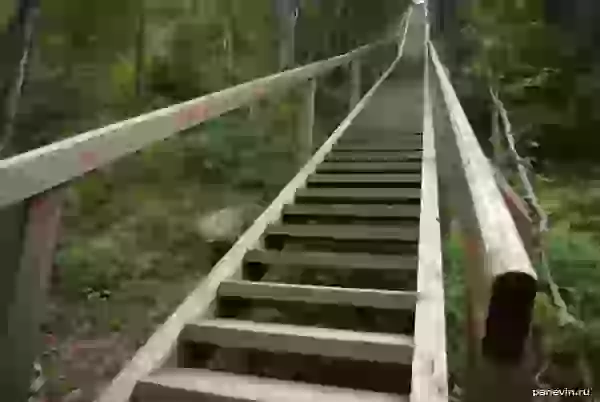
column 88, row 159
column 260, row 92
column 191, row 115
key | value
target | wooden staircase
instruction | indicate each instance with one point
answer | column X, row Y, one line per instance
column 326, row 305
column 325, row 309
column 335, row 293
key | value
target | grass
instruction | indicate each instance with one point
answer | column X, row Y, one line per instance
column 573, row 249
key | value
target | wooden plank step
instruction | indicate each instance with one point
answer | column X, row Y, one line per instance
column 371, row 179
column 368, row 156
column 346, row 232
column 369, row 167
column 366, row 211
column 361, row 132
column 411, row 143
column 316, row 259
column 284, row 338
column 385, row 147
column 358, row 195
column 381, row 299
column 193, row 385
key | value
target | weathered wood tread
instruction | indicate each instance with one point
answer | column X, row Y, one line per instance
column 405, row 143
column 316, row 259
column 369, row 167
column 367, row 156
column 193, row 385
column 355, row 132
column 284, row 338
column 381, row 299
column 358, row 195
column 378, row 211
column 377, row 147
column 347, row 232
column 364, row 178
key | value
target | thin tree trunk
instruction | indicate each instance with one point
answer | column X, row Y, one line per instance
column 229, row 45
column 287, row 12
column 140, row 51
column 19, row 282
column 20, row 41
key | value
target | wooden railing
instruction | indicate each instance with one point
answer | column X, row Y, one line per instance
column 31, row 196
column 500, row 279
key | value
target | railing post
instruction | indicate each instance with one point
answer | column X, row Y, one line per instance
column 355, row 82
column 27, row 247
column 306, row 121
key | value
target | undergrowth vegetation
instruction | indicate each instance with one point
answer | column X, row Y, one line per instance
column 566, row 355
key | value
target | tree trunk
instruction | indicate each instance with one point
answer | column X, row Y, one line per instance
column 287, row 12
column 20, row 281
column 140, row 51
column 19, row 41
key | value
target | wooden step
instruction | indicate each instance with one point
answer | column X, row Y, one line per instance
column 377, row 146
column 364, row 179
column 361, row 132
column 367, row 156
column 369, row 167
column 332, row 260
column 405, row 143
column 366, row 211
column 284, row 338
column 358, row 195
column 381, row 299
column 363, row 233
column 194, row 385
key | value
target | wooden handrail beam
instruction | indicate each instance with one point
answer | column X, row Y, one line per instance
column 500, row 276
column 41, row 169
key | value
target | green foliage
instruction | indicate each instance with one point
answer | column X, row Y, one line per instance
column 456, row 304
column 356, row 23
column 575, row 262
column 7, row 10
column 546, row 82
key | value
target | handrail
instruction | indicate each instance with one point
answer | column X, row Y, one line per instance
column 501, row 294
column 41, row 169
column 429, row 369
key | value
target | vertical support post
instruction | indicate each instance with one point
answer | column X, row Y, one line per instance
column 355, row 83
column 306, row 121
column 27, row 250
